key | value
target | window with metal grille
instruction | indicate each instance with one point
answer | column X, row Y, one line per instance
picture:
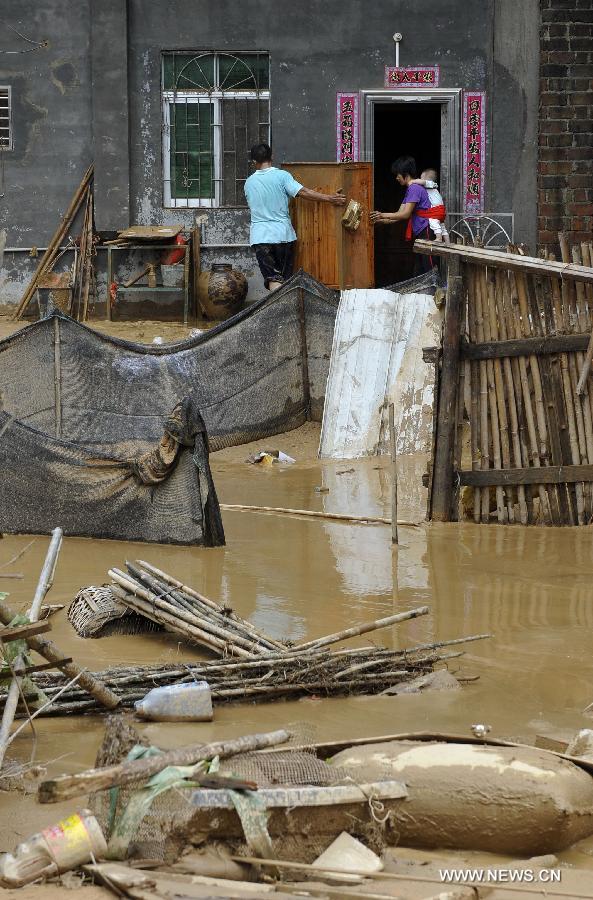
column 215, row 107
column 5, row 119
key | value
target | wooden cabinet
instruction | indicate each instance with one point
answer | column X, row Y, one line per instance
column 332, row 254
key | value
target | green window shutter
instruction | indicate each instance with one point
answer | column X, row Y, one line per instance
column 192, row 151
column 244, row 123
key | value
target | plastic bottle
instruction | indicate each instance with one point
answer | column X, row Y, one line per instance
column 177, row 703
column 61, row 847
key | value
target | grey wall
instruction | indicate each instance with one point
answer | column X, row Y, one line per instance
column 514, row 97
column 64, row 117
column 109, row 56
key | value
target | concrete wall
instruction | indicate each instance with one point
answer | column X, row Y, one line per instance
column 513, row 93
column 62, row 121
column 52, row 125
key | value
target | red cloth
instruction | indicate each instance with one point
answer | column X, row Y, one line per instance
column 435, row 212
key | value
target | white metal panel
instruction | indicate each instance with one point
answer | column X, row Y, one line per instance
column 377, row 360
column 358, row 373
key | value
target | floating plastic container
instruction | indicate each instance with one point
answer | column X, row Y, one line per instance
column 177, row 703
column 71, row 843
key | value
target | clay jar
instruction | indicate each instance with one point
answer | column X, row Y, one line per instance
column 221, row 291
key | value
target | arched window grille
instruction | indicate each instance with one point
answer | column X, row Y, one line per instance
column 215, row 107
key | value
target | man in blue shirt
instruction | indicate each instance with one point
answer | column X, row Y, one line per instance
column 271, row 235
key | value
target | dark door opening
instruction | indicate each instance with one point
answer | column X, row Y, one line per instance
column 400, row 129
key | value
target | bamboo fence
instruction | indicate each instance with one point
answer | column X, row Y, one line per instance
column 522, row 346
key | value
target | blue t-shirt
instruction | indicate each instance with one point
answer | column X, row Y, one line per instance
column 268, row 192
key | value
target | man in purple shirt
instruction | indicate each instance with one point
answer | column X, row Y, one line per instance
column 416, row 198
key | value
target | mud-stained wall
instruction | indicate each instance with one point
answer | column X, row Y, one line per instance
column 94, row 93
column 51, row 117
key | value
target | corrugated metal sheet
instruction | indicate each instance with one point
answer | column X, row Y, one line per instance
column 376, row 360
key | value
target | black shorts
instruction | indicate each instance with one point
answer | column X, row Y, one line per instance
column 276, row 261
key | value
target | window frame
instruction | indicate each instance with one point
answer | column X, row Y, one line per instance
column 10, row 144
column 215, row 98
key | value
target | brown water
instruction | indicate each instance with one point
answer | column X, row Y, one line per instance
column 299, row 578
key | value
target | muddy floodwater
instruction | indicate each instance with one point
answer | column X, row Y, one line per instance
column 298, row 579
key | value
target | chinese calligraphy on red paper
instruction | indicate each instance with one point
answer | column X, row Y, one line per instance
column 474, row 151
column 347, row 128
column 415, row 77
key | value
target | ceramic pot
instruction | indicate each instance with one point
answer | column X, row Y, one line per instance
column 221, row 291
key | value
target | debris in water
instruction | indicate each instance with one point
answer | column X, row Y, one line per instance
column 177, row 703
column 70, row 843
column 441, row 680
column 269, row 457
column 346, row 852
column 480, row 731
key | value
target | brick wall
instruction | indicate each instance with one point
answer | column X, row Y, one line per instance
column 565, row 166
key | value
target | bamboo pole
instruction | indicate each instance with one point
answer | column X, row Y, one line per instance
column 53, row 654
column 65, row 787
column 580, row 289
column 340, row 517
column 510, row 391
column 539, row 303
column 499, row 259
column 54, row 245
column 227, row 619
column 511, row 314
column 474, row 378
column 583, row 408
column 584, row 391
column 487, row 300
column 484, row 403
column 522, row 329
column 562, row 316
column 203, row 614
column 505, row 447
column 43, row 585
column 151, row 606
column 362, row 629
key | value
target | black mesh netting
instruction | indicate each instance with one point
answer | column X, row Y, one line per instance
column 82, row 415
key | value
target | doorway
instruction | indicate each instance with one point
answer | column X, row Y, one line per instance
column 401, row 129
column 425, row 124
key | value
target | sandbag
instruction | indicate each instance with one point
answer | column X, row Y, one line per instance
column 476, row 797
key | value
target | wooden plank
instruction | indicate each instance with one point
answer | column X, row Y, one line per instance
column 150, row 232
column 531, row 346
column 442, row 481
column 529, row 475
column 43, row 667
column 53, row 248
column 501, row 260
column 326, row 250
column 20, row 632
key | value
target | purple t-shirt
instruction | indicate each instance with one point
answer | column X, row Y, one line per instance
column 418, row 195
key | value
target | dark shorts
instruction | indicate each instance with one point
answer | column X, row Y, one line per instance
column 423, row 263
column 276, row 261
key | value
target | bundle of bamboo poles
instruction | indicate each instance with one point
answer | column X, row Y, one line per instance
column 160, row 597
column 525, row 410
column 313, row 671
column 163, row 599
column 84, row 270
column 82, row 196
